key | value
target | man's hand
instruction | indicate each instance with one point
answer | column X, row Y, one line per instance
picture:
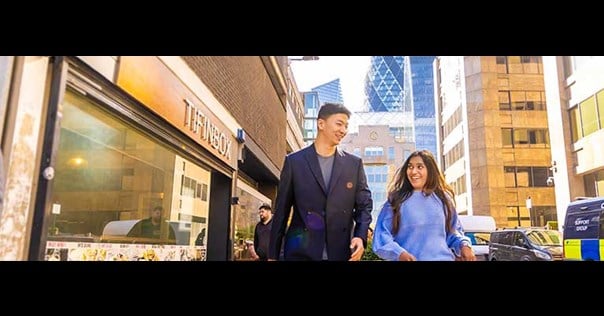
column 356, row 246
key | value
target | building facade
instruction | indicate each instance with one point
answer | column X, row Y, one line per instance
column 94, row 145
column 382, row 155
column 330, row 92
column 420, row 91
column 495, row 137
column 574, row 87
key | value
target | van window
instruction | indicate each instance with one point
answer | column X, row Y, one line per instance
column 519, row 239
column 479, row 238
column 495, row 237
column 582, row 225
column 545, row 237
column 602, row 225
column 506, row 238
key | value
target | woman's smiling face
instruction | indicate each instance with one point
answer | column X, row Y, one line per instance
column 417, row 173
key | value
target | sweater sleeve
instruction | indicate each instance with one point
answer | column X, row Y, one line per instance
column 456, row 238
column 384, row 244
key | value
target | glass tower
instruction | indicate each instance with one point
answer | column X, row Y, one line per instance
column 330, row 92
column 419, row 90
column 384, row 84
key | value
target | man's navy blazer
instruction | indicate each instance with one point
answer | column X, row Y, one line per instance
column 321, row 216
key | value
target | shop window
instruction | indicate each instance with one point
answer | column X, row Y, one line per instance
column 110, row 179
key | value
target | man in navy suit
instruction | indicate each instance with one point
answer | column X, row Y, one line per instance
column 327, row 188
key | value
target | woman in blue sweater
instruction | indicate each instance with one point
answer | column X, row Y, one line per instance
column 419, row 221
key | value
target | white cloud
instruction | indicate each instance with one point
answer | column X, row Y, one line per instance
column 350, row 69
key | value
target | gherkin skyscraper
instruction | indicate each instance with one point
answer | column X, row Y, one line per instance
column 384, row 85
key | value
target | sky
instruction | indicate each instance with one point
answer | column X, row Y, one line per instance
column 350, row 69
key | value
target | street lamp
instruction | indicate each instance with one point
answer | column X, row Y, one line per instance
column 305, row 58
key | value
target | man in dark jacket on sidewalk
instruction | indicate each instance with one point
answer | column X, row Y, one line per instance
column 262, row 233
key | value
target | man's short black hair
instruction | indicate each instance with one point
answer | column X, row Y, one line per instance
column 265, row 206
column 329, row 109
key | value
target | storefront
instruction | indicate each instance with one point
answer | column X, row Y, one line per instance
column 247, row 208
column 138, row 168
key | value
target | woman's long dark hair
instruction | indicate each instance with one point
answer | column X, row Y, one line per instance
column 400, row 189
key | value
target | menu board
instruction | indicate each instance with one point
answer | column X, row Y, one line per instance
column 82, row 251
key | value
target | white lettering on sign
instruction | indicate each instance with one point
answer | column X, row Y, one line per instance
column 580, row 221
column 581, row 228
column 200, row 124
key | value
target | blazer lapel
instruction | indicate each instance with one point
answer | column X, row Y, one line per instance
column 338, row 167
column 313, row 163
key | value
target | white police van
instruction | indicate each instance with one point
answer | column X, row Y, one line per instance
column 478, row 228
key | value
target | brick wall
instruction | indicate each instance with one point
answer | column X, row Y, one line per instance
column 243, row 86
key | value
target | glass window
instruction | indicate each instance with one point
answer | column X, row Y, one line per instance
column 539, row 137
column 520, row 136
column 119, row 194
column 406, row 153
column 582, row 225
column 513, row 216
column 504, row 101
column 246, row 220
column 518, row 99
column 533, row 100
column 374, row 151
column 589, row 119
column 540, row 175
column 6, row 69
column 600, row 183
column 510, row 177
column 308, row 124
column 523, row 176
column 502, row 64
column 506, row 137
column 600, row 97
column 581, row 61
column 514, row 65
column 575, row 124
column 545, row 237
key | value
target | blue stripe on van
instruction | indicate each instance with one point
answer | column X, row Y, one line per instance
column 590, row 249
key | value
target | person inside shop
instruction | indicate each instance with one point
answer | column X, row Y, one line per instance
column 200, row 240
column 151, row 227
column 418, row 221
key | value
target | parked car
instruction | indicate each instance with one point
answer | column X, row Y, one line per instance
column 525, row 244
column 584, row 230
column 478, row 228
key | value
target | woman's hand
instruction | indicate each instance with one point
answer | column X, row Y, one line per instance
column 467, row 254
column 405, row 256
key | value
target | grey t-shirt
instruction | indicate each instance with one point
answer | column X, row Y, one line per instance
column 326, row 164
